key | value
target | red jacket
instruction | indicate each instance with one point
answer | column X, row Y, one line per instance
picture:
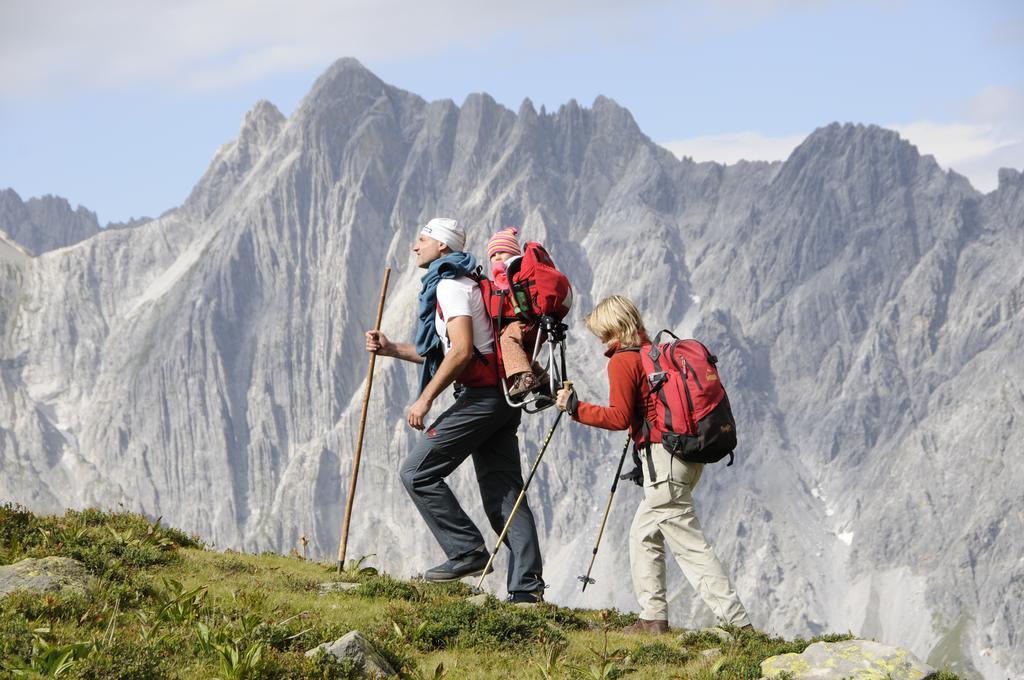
column 628, row 395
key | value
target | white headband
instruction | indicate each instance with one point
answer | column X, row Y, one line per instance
column 447, row 231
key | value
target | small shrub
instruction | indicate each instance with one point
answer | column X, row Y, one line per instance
column 741, row 667
column 130, row 592
column 50, row 659
column 230, row 564
column 461, row 624
column 15, row 637
column 566, row 619
column 281, row 666
column 121, row 660
column 658, row 653
column 616, row 619
column 300, row 584
column 238, row 654
column 445, row 590
column 291, row 634
column 385, row 587
column 832, row 637
column 177, row 604
column 108, row 543
column 17, row 526
column 46, row 607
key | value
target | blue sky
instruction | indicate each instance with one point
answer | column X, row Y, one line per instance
column 119, row 106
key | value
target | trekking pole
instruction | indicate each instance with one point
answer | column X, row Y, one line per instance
column 343, row 544
column 615, row 484
column 522, row 494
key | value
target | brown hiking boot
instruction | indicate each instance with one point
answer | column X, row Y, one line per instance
column 656, row 627
column 524, row 382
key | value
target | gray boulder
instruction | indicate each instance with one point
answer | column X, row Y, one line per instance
column 354, row 646
column 47, row 574
column 849, row 659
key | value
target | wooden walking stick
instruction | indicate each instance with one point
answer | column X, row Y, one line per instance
column 343, row 544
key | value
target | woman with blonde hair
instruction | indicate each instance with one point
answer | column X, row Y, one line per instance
column 666, row 514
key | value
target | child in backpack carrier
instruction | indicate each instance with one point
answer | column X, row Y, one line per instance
column 502, row 250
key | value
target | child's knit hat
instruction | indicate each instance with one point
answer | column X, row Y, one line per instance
column 504, row 241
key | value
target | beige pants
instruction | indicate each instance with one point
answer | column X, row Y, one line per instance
column 666, row 516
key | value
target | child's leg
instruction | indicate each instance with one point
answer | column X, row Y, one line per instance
column 513, row 354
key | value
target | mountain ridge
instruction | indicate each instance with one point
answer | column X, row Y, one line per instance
column 211, row 368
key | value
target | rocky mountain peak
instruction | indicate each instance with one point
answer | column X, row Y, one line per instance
column 610, row 115
column 45, row 223
column 867, row 160
column 260, row 127
column 344, row 89
column 261, row 123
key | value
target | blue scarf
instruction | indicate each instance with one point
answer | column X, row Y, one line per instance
column 428, row 342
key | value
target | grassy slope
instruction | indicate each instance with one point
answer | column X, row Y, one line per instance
column 161, row 606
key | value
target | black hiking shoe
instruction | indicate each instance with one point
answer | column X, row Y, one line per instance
column 468, row 565
column 521, row 597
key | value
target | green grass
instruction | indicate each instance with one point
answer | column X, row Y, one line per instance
column 161, row 605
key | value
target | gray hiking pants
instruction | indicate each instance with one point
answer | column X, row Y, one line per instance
column 479, row 424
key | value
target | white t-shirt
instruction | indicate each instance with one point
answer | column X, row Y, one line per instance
column 462, row 297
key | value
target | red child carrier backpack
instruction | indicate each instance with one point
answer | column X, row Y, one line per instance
column 537, row 287
column 694, row 421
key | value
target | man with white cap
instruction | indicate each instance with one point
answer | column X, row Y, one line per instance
column 455, row 344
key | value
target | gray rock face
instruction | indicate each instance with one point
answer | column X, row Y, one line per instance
column 43, row 224
column 48, row 574
column 207, row 366
column 357, row 648
column 849, row 659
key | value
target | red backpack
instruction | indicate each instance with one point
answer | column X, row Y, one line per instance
column 537, row 288
column 694, row 421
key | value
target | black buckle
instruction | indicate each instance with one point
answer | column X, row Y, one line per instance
column 657, row 379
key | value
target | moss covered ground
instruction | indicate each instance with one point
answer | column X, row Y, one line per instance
column 161, row 605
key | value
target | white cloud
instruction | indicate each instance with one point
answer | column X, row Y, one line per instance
column 990, row 137
column 47, row 47
column 976, row 151
column 53, row 47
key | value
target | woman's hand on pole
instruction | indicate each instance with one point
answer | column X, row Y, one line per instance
column 378, row 343
column 567, row 400
column 562, row 399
